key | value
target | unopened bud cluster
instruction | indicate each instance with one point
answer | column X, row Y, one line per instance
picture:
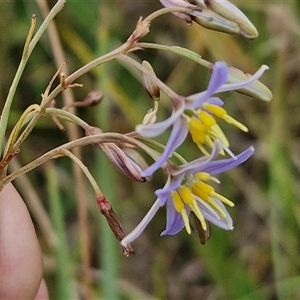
column 219, row 15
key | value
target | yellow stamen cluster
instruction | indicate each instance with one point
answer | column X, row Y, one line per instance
column 221, row 113
column 179, row 206
column 205, row 130
column 185, row 196
column 206, row 192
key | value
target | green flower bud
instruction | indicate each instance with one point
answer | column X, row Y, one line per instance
column 211, row 20
column 149, row 84
column 256, row 90
column 229, row 11
column 123, row 162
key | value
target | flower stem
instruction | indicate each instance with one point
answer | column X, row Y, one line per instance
column 57, row 152
column 191, row 55
column 64, row 114
column 85, row 170
column 140, row 67
column 18, row 126
column 167, row 10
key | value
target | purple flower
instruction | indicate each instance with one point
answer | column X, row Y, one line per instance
column 195, row 114
column 120, row 157
column 187, row 189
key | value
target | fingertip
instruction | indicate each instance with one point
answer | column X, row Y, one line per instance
column 42, row 293
column 20, row 254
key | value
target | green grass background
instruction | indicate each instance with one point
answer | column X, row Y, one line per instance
column 260, row 258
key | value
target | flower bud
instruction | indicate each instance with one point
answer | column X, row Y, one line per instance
column 93, row 98
column 150, row 117
column 118, row 157
column 229, row 11
column 256, row 89
column 149, row 85
column 211, row 20
column 124, row 164
column 136, row 157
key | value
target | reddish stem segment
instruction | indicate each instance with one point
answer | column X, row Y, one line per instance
column 106, row 209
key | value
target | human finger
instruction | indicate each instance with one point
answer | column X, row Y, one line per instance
column 21, row 266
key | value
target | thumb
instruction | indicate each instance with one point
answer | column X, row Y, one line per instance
column 21, row 264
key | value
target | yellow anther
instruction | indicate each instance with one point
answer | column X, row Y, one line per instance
column 206, row 188
column 203, row 191
column 218, row 111
column 205, row 177
column 202, row 176
column 188, row 198
column 206, row 118
column 196, row 189
column 205, row 130
column 197, row 124
column 197, row 137
column 186, row 195
column 197, row 130
column 178, row 204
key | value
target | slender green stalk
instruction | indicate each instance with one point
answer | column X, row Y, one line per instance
column 63, row 282
column 167, row 10
column 109, row 256
column 110, row 250
column 54, row 11
column 51, row 112
column 85, row 171
column 13, row 88
column 183, row 52
column 28, row 48
column 140, row 67
column 63, row 114
column 12, row 138
column 59, row 151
